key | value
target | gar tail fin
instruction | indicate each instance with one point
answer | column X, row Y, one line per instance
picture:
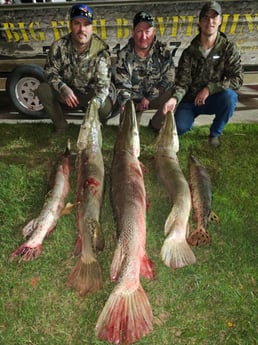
column 26, row 252
column 126, row 317
column 176, row 252
column 86, row 276
column 199, row 237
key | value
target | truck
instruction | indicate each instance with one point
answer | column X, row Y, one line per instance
column 27, row 30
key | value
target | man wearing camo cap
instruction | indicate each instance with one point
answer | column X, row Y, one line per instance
column 78, row 68
column 209, row 72
column 144, row 70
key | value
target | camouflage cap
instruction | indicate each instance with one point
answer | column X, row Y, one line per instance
column 211, row 5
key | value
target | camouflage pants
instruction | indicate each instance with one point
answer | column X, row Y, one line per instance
column 157, row 103
column 54, row 104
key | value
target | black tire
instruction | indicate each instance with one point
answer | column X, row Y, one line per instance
column 112, row 92
column 21, row 86
column 113, row 96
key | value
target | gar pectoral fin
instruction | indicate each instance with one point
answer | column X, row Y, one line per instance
column 67, row 209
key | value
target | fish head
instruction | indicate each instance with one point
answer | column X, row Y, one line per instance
column 192, row 159
column 90, row 116
column 167, row 140
column 128, row 137
column 194, row 162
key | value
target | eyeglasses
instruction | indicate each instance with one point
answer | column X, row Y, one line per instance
column 81, row 11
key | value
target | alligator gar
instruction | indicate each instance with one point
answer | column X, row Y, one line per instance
column 86, row 276
column 39, row 228
column 200, row 186
column 127, row 314
column 175, row 251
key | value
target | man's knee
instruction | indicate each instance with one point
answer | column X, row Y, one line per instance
column 184, row 118
column 44, row 91
column 182, row 128
column 229, row 97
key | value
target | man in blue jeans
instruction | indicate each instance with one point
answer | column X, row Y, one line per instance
column 209, row 72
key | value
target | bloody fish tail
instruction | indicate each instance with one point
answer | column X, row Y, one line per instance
column 125, row 318
column 26, row 253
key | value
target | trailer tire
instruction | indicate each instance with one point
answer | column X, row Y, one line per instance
column 22, row 85
column 113, row 97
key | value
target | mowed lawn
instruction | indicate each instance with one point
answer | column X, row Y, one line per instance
column 213, row 302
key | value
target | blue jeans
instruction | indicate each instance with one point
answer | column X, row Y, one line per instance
column 221, row 104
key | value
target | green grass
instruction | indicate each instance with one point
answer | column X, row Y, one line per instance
column 213, row 302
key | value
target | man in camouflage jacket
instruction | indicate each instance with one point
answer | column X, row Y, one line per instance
column 78, row 68
column 209, row 71
column 144, row 70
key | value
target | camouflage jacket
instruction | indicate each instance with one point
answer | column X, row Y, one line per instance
column 136, row 77
column 220, row 70
column 83, row 72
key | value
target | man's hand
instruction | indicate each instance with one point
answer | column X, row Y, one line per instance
column 69, row 97
column 169, row 105
column 201, row 97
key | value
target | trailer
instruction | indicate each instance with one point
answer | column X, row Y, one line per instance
column 28, row 29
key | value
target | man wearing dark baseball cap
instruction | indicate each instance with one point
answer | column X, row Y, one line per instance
column 143, row 17
column 78, row 69
column 211, row 5
column 208, row 75
column 81, row 11
column 145, row 70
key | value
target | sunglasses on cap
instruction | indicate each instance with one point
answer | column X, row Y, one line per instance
column 143, row 17
column 81, row 12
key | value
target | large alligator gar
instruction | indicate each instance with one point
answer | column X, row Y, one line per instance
column 37, row 229
column 200, row 186
column 86, row 276
column 175, row 251
column 127, row 314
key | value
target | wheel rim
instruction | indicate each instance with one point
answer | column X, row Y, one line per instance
column 25, row 93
